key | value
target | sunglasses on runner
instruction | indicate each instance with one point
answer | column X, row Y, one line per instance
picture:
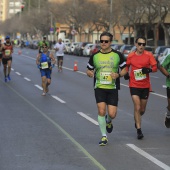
column 104, row 41
column 141, row 44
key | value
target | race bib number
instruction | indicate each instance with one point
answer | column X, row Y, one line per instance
column 105, row 78
column 7, row 52
column 139, row 75
column 44, row 65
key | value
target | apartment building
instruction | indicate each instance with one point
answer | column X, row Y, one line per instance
column 3, row 10
column 8, row 8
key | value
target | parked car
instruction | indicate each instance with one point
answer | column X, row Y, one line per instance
column 94, row 48
column 67, row 46
column 125, row 50
column 86, row 50
column 72, row 47
column 33, row 44
column 147, row 48
column 79, row 48
column 159, row 50
column 117, row 47
column 112, row 45
column 165, row 53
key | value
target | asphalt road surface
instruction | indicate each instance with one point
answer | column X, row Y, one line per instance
column 60, row 131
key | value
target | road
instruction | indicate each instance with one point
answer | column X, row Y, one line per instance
column 60, row 131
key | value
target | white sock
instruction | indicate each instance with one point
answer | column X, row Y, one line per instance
column 168, row 114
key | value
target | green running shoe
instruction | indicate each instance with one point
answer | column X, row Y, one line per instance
column 109, row 126
column 103, row 141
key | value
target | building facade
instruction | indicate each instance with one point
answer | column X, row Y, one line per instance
column 3, row 10
column 9, row 8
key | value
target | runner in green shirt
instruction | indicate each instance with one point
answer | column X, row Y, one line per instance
column 41, row 43
column 165, row 69
column 104, row 67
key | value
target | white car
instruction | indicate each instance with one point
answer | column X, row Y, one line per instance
column 72, row 47
column 162, row 57
column 67, row 46
column 86, row 50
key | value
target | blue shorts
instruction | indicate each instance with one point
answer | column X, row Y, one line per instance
column 46, row 73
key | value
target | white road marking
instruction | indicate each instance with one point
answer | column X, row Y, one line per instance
column 57, row 98
column 164, row 86
column 155, row 77
column 39, row 87
column 12, row 69
column 160, row 95
column 88, row 118
column 28, row 57
column 18, row 73
column 27, row 79
column 148, row 156
column 124, row 85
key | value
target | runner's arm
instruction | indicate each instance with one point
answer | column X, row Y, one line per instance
column 90, row 68
column 52, row 58
column 38, row 59
column 164, row 71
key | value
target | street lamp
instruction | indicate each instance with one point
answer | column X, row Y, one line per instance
column 39, row 5
column 110, row 23
column 51, row 29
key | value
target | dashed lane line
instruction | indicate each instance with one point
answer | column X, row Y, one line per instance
column 39, row 87
column 18, row 73
column 149, row 157
column 57, row 98
column 27, row 79
column 164, row 86
column 88, row 118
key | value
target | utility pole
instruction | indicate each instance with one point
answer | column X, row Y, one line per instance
column 39, row 5
column 73, row 26
column 110, row 22
column 51, row 29
column 29, row 6
column 14, row 8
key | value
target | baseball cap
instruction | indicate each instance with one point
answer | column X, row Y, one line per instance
column 7, row 37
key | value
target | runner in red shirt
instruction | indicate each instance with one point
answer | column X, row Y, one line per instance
column 140, row 63
column 7, row 58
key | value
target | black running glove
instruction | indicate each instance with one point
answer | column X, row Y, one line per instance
column 146, row 70
column 126, row 76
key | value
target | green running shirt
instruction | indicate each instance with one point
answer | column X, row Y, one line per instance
column 166, row 64
column 104, row 64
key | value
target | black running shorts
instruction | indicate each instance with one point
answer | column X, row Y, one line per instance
column 59, row 57
column 168, row 92
column 5, row 60
column 109, row 96
column 143, row 93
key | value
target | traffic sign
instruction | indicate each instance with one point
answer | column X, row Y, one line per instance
column 57, row 25
column 73, row 32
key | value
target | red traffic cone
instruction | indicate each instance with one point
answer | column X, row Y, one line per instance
column 75, row 66
column 19, row 52
column 150, row 88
